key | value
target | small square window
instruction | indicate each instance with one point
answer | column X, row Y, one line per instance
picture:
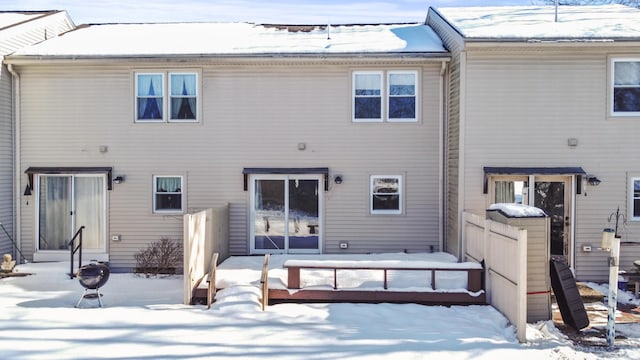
column 386, row 194
column 167, row 194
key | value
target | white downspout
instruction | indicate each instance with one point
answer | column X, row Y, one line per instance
column 17, row 216
column 443, row 131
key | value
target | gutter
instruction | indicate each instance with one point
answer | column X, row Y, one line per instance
column 41, row 59
column 17, row 208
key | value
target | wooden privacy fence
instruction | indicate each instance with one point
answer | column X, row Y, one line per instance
column 205, row 233
column 503, row 249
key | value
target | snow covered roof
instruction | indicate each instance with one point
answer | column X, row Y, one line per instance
column 610, row 22
column 206, row 39
column 10, row 18
column 517, row 210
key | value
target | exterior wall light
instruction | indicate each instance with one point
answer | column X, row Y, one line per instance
column 118, row 179
column 593, row 181
column 27, row 190
column 337, row 179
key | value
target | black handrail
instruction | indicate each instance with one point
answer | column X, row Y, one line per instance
column 73, row 250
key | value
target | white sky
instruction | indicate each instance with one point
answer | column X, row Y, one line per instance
column 273, row 11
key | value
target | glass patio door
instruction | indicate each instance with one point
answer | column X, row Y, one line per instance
column 551, row 193
column 285, row 213
column 66, row 202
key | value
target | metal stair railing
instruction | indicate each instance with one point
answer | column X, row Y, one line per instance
column 73, row 249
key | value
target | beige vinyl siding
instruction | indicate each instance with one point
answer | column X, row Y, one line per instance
column 11, row 39
column 455, row 44
column 6, row 162
column 252, row 116
column 452, row 157
column 522, row 107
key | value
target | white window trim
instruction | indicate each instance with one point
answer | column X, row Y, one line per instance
column 353, row 96
column 384, row 95
column 400, row 195
column 135, row 98
column 632, row 198
column 166, row 97
column 416, row 95
column 612, row 86
column 169, row 97
column 155, row 191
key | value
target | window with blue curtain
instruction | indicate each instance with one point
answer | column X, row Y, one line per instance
column 183, row 96
column 149, row 96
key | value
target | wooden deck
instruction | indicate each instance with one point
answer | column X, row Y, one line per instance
column 361, row 296
column 474, row 294
column 377, row 296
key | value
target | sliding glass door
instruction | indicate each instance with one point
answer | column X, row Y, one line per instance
column 66, row 202
column 285, row 213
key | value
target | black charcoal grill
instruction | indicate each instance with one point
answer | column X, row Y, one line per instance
column 92, row 277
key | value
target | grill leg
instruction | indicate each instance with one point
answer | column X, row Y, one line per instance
column 96, row 294
column 99, row 297
column 81, row 298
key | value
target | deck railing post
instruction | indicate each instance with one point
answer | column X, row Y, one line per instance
column 474, row 280
column 385, row 279
column 433, row 279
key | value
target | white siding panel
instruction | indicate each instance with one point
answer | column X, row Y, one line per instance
column 252, row 117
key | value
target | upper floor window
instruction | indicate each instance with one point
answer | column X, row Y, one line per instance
column 162, row 100
column 398, row 88
column 367, row 96
column 386, row 194
column 626, row 87
column 167, row 194
column 635, row 198
column 401, row 102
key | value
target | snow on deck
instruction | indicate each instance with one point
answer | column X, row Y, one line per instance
column 246, row 270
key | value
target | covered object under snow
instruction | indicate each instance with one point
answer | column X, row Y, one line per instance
column 538, row 227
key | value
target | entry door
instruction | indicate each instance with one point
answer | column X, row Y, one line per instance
column 553, row 195
column 66, row 202
column 285, row 214
column 549, row 193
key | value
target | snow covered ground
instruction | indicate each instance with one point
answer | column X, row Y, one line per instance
column 144, row 318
